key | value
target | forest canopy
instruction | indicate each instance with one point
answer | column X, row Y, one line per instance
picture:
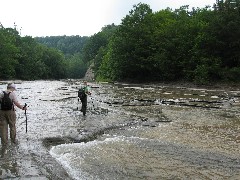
column 24, row 58
column 198, row 44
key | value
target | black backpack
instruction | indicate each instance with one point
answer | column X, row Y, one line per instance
column 6, row 103
column 81, row 93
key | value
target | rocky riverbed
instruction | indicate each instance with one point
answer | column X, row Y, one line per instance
column 131, row 131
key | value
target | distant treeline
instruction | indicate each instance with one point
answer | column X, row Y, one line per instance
column 30, row 58
column 24, row 58
column 200, row 45
column 72, row 49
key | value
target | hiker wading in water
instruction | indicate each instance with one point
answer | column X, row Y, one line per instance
column 82, row 94
column 8, row 100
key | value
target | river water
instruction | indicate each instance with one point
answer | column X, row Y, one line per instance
column 131, row 131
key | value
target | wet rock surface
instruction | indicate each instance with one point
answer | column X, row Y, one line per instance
column 164, row 128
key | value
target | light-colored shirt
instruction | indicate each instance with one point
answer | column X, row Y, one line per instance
column 87, row 88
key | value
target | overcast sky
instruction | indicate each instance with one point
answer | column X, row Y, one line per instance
column 75, row 17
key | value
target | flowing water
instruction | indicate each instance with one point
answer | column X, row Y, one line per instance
column 131, row 131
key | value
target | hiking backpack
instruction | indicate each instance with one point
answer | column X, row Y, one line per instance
column 81, row 93
column 6, row 102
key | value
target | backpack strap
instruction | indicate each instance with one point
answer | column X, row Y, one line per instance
column 6, row 93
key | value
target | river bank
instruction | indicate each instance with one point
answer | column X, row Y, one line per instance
column 212, row 85
column 131, row 131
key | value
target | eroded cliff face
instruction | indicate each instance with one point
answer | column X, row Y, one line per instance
column 89, row 76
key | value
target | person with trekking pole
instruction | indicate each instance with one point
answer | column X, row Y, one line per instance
column 8, row 100
column 82, row 94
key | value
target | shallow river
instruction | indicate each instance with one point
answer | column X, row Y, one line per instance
column 130, row 131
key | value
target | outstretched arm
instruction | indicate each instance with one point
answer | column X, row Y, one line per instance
column 19, row 105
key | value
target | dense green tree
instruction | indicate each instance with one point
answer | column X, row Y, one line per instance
column 30, row 64
column 198, row 45
column 69, row 45
column 129, row 48
column 76, row 68
column 8, row 52
column 95, row 48
column 24, row 58
column 97, row 41
column 54, row 61
column 72, row 48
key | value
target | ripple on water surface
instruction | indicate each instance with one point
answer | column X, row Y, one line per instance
column 134, row 158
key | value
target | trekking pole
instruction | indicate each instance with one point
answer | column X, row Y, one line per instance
column 26, row 115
